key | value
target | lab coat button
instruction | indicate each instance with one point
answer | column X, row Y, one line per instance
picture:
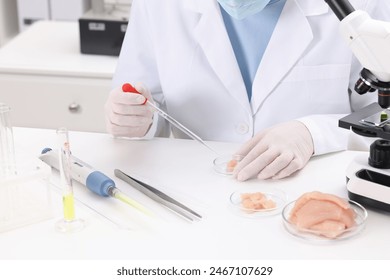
column 242, row 128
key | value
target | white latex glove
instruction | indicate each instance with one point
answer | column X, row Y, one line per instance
column 275, row 153
column 126, row 113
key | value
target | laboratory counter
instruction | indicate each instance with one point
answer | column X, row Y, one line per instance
column 184, row 170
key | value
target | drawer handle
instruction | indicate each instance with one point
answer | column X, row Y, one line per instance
column 74, row 107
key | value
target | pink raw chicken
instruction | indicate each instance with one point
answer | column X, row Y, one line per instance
column 327, row 214
column 252, row 202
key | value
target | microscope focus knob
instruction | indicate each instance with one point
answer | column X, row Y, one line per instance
column 380, row 154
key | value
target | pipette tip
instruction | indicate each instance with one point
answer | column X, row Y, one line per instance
column 124, row 198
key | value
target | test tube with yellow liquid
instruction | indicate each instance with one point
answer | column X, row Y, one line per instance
column 69, row 223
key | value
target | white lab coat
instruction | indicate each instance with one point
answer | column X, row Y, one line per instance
column 181, row 51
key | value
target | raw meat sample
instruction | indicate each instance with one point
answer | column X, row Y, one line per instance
column 231, row 165
column 325, row 214
column 253, row 202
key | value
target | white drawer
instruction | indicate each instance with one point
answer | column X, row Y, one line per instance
column 51, row 101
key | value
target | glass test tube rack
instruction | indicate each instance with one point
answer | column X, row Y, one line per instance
column 25, row 196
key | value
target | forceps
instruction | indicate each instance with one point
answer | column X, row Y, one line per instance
column 158, row 196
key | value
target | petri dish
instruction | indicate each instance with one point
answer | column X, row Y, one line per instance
column 277, row 196
column 223, row 164
column 315, row 235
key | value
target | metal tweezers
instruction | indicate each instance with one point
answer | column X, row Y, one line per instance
column 158, row 196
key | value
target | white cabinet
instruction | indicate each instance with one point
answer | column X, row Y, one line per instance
column 69, row 9
column 48, row 83
column 50, row 101
column 30, row 11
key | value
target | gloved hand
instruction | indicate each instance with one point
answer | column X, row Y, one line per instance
column 275, row 153
column 126, row 113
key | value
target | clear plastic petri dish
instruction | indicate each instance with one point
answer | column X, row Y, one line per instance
column 276, row 200
column 316, row 235
column 225, row 164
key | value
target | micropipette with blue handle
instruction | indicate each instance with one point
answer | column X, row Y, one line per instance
column 94, row 180
column 129, row 88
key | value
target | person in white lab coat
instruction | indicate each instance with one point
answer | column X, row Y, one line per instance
column 279, row 87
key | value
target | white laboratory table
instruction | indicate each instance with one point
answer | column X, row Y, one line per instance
column 183, row 169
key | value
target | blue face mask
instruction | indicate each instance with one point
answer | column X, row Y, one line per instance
column 240, row 9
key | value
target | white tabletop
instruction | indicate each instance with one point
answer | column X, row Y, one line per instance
column 53, row 48
column 183, row 169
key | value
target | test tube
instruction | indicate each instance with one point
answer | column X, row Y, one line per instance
column 7, row 166
column 69, row 223
column 7, row 151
